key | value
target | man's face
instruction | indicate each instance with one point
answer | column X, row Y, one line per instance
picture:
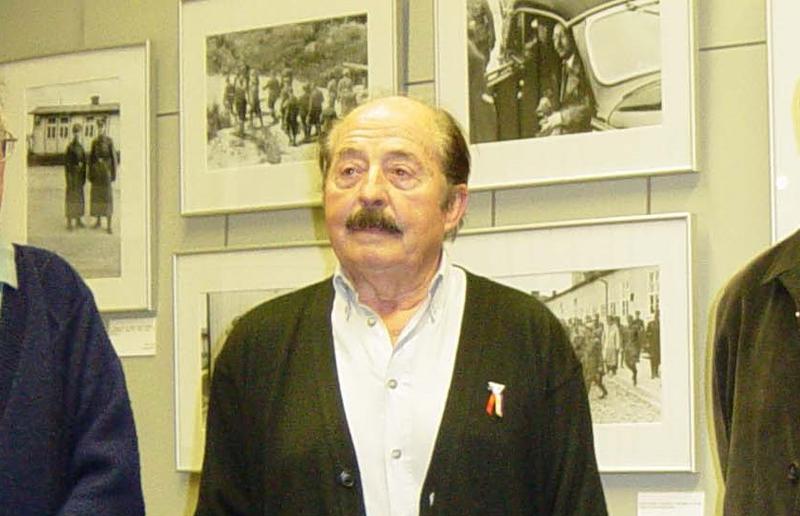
column 385, row 162
column 543, row 32
column 562, row 42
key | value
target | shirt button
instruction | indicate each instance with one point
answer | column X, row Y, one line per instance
column 392, row 384
column 396, row 454
column 793, row 472
column 371, row 322
column 345, row 478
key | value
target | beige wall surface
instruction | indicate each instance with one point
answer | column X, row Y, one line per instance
column 729, row 197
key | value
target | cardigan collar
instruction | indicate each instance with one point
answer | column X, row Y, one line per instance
column 785, row 265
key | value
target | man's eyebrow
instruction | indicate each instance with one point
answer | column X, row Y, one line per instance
column 402, row 156
column 348, row 152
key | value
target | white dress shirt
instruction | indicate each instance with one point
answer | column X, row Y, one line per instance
column 394, row 397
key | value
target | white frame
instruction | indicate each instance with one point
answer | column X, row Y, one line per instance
column 197, row 273
column 784, row 105
column 132, row 290
column 286, row 185
column 648, row 150
column 662, row 240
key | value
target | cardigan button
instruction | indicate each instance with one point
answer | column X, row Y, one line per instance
column 793, row 472
column 346, row 479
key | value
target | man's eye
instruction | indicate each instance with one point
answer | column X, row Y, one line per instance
column 348, row 171
column 401, row 172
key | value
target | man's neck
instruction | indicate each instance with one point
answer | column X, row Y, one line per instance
column 394, row 294
column 392, row 289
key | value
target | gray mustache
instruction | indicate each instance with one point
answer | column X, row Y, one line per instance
column 372, row 219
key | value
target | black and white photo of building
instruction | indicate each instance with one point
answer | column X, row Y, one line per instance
column 74, row 166
column 52, row 126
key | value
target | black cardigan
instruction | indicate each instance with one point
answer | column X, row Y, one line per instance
column 278, row 440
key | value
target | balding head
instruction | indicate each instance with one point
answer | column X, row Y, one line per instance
column 449, row 143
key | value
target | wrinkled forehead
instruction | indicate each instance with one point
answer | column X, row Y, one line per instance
column 392, row 126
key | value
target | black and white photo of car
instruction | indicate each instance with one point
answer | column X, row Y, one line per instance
column 548, row 67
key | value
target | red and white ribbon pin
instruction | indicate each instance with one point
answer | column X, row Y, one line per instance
column 494, row 405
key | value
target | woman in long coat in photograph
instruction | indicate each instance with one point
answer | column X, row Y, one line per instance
column 612, row 343
column 75, row 178
column 102, row 172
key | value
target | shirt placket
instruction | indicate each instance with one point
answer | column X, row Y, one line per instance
column 397, row 435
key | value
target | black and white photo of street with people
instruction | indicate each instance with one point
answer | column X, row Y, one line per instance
column 271, row 92
column 612, row 318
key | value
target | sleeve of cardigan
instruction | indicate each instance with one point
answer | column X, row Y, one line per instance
column 103, row 468
column 723, row 373
column 224, row 486
column 571, row 481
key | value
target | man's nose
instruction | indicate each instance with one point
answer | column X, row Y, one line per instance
column 373, row 188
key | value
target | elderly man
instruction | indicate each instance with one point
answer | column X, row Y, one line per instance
column 403, row 385
column 67, row 438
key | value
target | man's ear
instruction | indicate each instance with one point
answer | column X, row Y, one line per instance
column 456, row 207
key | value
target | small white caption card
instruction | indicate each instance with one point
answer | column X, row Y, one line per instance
column 133, row 337
column 671, row 504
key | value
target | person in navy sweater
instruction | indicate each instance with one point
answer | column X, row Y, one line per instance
column 67, row 436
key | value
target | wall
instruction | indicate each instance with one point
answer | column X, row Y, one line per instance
column 729, row 197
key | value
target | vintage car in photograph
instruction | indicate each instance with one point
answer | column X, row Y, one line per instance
column 618, row 44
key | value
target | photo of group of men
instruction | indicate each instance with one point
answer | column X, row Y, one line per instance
column 272, row 92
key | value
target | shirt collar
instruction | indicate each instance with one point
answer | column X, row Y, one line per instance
column 435, row 298
column 8, row 264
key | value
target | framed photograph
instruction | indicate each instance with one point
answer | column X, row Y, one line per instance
column 561, row 90
column 260, row 85
column 211, row 289
column 79, row 181
column 621, row 288
column 784, row 115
